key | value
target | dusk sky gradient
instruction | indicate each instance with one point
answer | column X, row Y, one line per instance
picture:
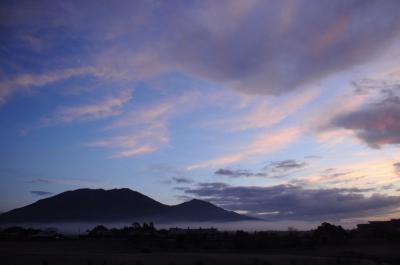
column 284, row 110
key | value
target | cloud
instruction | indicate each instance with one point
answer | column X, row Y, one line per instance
column 162, row 170
column 273, row 170
column 27, row 81
column 40, row 180
column 140, row 141
column 388, row 187
column 107, row 107
column 320, row 119
column 275, row 47
column 33, row 42
column 370, row 112
column 258, row 47
column 69, row 182
column 370, row 173
column 147, row 131
column 167, row 174
column 375, row 124
column 153, row 114
column 283, row 202
column 397, row 168
column 385, row 86
column 239, row 173
column 263, row 144
column 332, row 173
column 313, row 157
column 264, row 112
column 182, row 180
column 144, row 130
column 285, row 165
column 41, row 193
column 333, row 176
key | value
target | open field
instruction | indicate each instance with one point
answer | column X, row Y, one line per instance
column 118, row 252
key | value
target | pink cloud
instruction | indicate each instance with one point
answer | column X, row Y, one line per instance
column 263, row 144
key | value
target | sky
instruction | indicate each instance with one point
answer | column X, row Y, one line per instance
column 285, row 110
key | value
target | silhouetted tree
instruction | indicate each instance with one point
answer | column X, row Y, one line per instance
column 327, row 233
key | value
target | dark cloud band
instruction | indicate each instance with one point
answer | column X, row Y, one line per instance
column 375, row 124
column 41, row 193
column 294, row 202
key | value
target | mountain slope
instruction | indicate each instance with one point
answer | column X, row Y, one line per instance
column 89, row 205
column 201, row 211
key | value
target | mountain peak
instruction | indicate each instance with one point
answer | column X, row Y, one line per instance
column 121, row 204
column 198, row 202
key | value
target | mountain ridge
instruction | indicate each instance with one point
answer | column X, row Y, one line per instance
column 91, row 205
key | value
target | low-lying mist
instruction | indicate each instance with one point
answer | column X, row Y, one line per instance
column 76, row 228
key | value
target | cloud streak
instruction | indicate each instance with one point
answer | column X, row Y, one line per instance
column 285, row 165
column 290, row 202
column 265, row 113
column 139, row 141
column 239, row 173
column 182, row 180
column 26, row 82
column 397, row 168
column 262, row 144
column 144, row 130
column 69, row 182
column 108, row 106
column 41, row 193
column 273, row 170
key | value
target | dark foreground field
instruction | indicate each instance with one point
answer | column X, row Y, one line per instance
column 120, row 252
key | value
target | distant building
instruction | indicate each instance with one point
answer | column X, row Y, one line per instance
column 47, row 233
column 379, row 229
column 192, row 231
column 100, row 231
column 176, row 231
column 13, row 232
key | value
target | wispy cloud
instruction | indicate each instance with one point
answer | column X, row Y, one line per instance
column 108, row 106
column 41, row 193
column 285, row 165
column 397, row 168
column 182, row 180
column 140, row 141
column 26, row 82
column 147, row 128
column 276, row 169
column 236, row 173
column 365, row 174
column 264, row 113
column 263, row 144
column 333, row 173
column 68, row 181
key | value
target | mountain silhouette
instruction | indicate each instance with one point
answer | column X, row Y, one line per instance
column 116, row 205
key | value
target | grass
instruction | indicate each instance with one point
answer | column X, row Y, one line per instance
column 114, row 253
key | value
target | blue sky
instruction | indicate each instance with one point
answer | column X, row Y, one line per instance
column 270, row 108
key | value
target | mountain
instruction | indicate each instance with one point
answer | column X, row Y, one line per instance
column 116, row 205
column 202, row 211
